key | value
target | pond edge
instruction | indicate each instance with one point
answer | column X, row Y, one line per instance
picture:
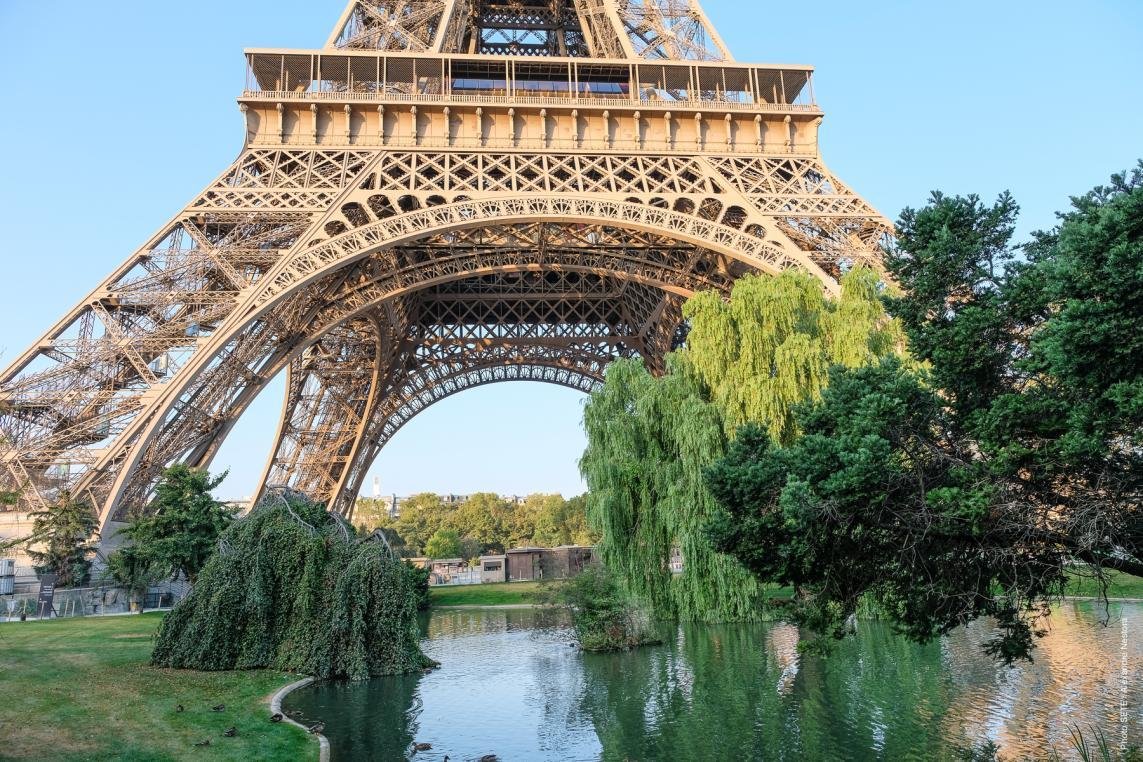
column 276, row 708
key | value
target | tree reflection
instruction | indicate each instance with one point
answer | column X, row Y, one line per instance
column 739, row 691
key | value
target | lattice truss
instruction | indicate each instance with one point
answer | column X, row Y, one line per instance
column 374, row 306
column 670, row 29
column 383, row 279
column 648, row 29
column 408, row 25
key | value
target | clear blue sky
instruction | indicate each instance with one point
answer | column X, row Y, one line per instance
column 116, row 113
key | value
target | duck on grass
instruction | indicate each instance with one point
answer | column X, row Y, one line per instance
column 293, row 587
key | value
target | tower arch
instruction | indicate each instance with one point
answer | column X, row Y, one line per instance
column 446, row 194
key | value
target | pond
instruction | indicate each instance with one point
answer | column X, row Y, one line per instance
column 511, row 685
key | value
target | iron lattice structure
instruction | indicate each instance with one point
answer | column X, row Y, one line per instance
column 450, row 193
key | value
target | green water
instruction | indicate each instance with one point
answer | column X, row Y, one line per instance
column 510, row 685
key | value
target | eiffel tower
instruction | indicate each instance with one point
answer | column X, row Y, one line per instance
column 450, row 193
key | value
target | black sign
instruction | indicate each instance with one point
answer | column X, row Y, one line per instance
column 47, row 595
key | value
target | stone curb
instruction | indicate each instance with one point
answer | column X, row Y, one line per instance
column 276, row 708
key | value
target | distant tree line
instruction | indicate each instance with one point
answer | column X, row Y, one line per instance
column 485, row 523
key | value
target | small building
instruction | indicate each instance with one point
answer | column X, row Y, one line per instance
column 525, row 564
column 566, row 561
column 444, row 569
column 493, row 569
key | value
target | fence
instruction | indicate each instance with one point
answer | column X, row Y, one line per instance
column 91, row 601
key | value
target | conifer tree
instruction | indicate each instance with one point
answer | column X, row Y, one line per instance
column 179, row 530
column 63, row 540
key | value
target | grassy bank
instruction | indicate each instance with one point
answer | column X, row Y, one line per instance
column 1122, row 586
column 504, row 594
column 82, row 689
column 523, row 593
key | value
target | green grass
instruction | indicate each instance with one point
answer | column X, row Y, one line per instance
column 516, row 593
column 504, row 594
column 83, row 689
column 1122, row 586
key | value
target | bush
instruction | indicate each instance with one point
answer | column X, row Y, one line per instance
column 605, row 617
column 421, row 576
column 293, row 588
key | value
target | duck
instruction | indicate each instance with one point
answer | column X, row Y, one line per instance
column 218, row 708
column 203, row 743
column 315, row 729
column 230, row 732
column 490, row 758
column 180, row 708
column 276, row 717
column 422, row 746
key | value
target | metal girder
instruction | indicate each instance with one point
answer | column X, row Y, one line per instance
column 400, row 247
column 676, row 30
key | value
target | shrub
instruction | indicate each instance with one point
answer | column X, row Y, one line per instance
column 292, row 587
column 604, row 616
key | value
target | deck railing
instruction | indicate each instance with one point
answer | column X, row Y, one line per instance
column 351, row 96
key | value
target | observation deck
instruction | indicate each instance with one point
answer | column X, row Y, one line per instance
column 440, row 100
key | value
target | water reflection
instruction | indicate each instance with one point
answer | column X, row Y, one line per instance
column 1084, row 674
column 510, row 685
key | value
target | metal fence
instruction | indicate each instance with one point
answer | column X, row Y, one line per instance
column 91, row 601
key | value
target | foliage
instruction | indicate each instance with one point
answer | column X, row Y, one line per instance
column 133, row 570
column 179, row 530
column 1098, row 749
column 649, row 439
column 420, row 578
column 62, row 540
column 293, row 588
column 769, row 347
column 605, row 617
column 972, row 487
column 485, row 523
column 445, row 543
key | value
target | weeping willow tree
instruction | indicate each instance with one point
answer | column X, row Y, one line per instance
column 748, row 359
column 293, row 588
column 770, row 346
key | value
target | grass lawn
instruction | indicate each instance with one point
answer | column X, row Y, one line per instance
column 82, row 689
column 1122, row 586
column 504, row 594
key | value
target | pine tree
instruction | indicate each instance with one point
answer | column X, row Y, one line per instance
column 62, row 540
column 179, row 530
